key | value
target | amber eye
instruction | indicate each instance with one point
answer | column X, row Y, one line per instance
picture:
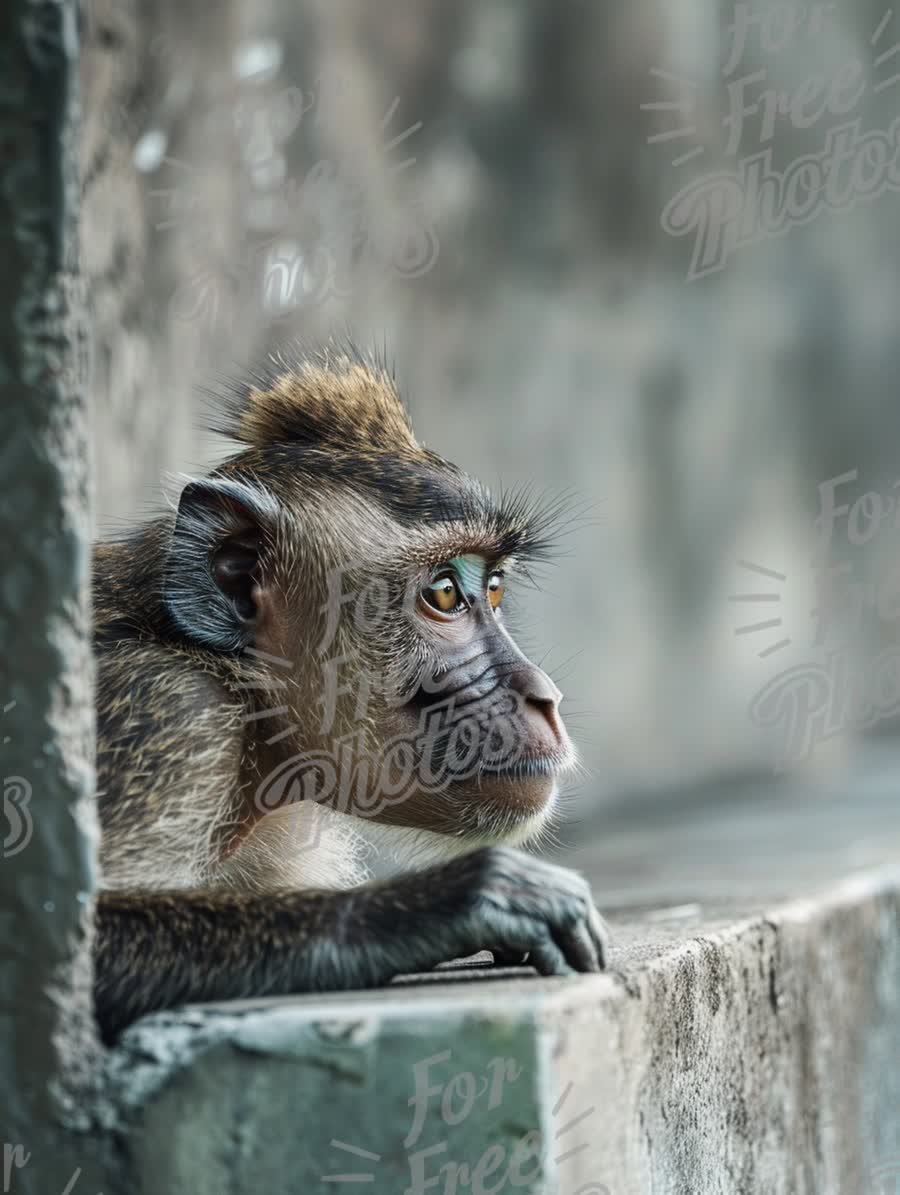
column 443, row 593
column 495, row 589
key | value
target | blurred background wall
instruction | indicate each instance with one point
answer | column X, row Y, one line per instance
column 597, row 241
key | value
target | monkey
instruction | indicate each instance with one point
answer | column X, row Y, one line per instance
column 320, row 751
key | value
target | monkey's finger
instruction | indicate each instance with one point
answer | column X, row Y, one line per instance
column 578, row 947
column 547, row 958
column 600, row 934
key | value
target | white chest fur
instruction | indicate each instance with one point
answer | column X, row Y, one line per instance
column 309, row 846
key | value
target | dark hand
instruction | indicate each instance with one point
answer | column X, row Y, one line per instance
column 496, row 899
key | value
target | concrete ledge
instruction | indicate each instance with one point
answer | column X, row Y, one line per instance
column 736, row 1046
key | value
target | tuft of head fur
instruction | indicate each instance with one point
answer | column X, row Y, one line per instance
column 336, row 414
column 327, row 400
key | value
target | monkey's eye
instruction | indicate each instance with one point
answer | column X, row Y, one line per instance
column 495, row 589
column 443, row 594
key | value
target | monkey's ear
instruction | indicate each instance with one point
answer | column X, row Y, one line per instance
column 212, row 582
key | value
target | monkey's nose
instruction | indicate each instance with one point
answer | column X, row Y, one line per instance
column 535, row 686
column 541, row 697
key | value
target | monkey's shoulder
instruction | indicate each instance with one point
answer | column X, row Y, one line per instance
column 163, row 717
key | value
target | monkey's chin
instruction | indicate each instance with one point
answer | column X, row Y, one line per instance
column 514, row 803
column 525, row 786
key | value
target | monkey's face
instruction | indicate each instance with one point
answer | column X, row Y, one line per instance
column 470, row 737
column 367, row 585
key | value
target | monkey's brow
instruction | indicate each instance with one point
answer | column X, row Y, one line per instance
column 497, row 541
column 434, row 496
column 443, row 500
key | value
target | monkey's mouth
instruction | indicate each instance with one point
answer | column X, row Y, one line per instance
column 535, row 760
column 525, row 769
column 524, row 788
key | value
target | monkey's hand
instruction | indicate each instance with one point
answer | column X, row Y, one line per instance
column 496, row 899
column 158, row 949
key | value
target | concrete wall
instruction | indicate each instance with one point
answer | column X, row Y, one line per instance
column 484, row 186
column 48, row 837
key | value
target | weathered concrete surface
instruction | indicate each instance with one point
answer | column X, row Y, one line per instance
column 47, row 838
column 747, row 1038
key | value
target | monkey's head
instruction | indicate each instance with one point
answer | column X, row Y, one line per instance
column 356, row 582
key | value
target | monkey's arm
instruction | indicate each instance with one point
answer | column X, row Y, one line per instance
column 158, row 949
